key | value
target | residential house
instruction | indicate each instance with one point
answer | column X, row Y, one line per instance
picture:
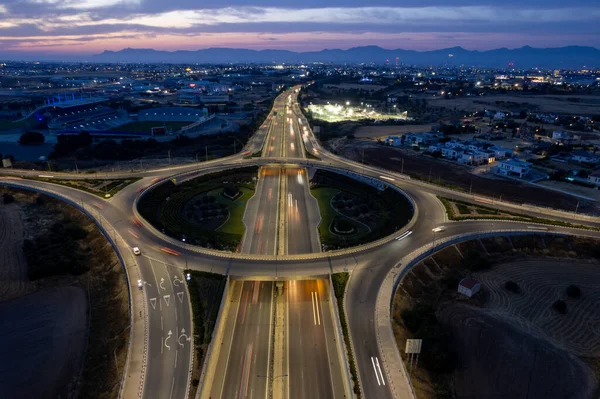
column 394, row 141
column 499, row 115
column 468, row 286
column 501, row 153
column 594, row 178
column 513, row 167
column 584, row 157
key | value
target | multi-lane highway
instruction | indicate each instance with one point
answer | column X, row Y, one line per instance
column 165, row 367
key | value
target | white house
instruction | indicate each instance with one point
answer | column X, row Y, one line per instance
column 474, row 158
column 394, row 141
column 468, row 286
column 455, row 144
column 513, row 167
column 451, row 153
column 501, row 153
column 594, row 178
column 499, row 115
column 557, row 135
column 584, row 157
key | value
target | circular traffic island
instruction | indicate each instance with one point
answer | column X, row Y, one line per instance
column 206, row 211
column 356, row 209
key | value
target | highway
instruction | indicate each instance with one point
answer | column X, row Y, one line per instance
column 314, row 370
column 243, row 367
column 168, row 358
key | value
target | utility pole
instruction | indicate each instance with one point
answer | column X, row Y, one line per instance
column 76, row 168
column 471, row 186
column 363, row 160
column 429, row 181
column 141, row 164
column 169, row 153
column 206, row 152
column 577, row 207
column 402, row 167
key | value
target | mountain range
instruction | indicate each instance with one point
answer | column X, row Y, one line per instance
column 523, row 57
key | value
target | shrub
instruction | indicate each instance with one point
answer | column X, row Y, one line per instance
column 7, row 198
column 560, row 306
column 31, row 138
column 512, row 287
column 573, row 291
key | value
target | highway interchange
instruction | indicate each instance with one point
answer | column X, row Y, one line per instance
column 281, row 243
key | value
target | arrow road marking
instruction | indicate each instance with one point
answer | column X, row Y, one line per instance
column 162, row 281
column 168, row 336
column 180, row 296
column 183, row 334
column 153, row 303
column 167, row 299
column 176, row 282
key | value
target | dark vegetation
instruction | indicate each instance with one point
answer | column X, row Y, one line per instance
column 31, row 138
column 512, row 287
column 573, row 291
column 339, row 281
column 390, row 209
column 58, row 252
column 213, row 145
column 560, row 306
column 437, row 353
column 167, row 215
column 206, row 292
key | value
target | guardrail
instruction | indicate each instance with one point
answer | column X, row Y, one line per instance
column 115, row 246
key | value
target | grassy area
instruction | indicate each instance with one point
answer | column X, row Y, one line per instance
column 234, row 224
column 468, row 211
column 168, row 214
column 206, row 292
column 324, row 196
column 339, row 281
column 147, row 126
column 93, row 186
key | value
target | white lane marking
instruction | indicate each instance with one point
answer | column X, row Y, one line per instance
column 312, row 297
column 317, row 306
column 379, row 368
column 375, row 369
column 175, row 366
column 167, row 299
column 162, row 344
column 161, row 323
column 172, row 385
column 156, row 280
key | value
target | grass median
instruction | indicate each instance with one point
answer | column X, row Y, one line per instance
column 339, row 281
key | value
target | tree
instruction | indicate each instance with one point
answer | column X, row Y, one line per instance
column 32, row 138
column 7, row 198
column 573, row 291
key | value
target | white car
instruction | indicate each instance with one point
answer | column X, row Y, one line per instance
column 140, row 284
column 136, row 251
column 438, row 229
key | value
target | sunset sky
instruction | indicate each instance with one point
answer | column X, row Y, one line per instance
column 91, row 26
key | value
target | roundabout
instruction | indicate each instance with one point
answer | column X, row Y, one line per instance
column 374, row 267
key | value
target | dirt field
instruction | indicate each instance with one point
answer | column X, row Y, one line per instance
column 498, row 360
column 385, row 131
column 55, row 315
column 458, row 176
column 588, row 105
column 42, row 337
column 511, row 345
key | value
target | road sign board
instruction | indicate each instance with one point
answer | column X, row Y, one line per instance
column 413, row 345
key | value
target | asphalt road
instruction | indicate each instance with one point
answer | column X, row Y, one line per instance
column 261, row 215
column 314, row 371
column 169, row 331
column 301, row 214
column 242, row 370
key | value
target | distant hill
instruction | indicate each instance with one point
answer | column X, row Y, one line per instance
column 524, row 57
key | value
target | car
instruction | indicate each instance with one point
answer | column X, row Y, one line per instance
column 188, row 276
column 140, row 284
column 438, row 229
column 136, row 251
